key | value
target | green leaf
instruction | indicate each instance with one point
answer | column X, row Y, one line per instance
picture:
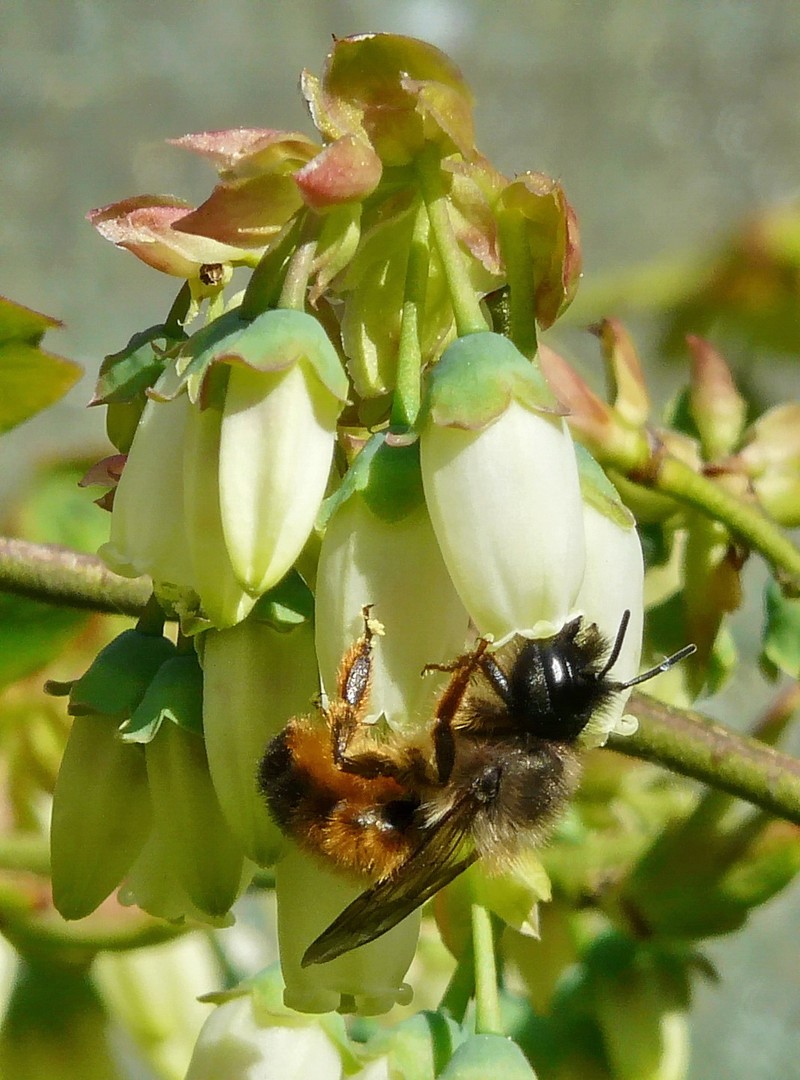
column 125, row 374
column 780, row 646
column 30, row 379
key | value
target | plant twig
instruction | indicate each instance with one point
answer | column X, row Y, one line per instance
column 67, row 578
column 694, row 746
column 683, row 741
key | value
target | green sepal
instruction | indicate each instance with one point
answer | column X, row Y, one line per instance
column 780, row 646
column 119, row 675
column 476, row 380
column 197, row 355
column 514, row 894
column 598, row 491
column 480, row 1056
column 273, row 341
column 286, row 605
column 126, row 374
column 386, row 475
column 175, row 694
column 101, row 816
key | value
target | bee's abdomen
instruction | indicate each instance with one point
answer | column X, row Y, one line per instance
column 366, row 826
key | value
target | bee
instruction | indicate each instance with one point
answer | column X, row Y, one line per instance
column 489, row 778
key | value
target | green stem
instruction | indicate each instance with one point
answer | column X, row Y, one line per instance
column 748, row 523
column 298, row 271
column 407, row 393
column 466, row 305
column 264, row 286
column 66, row 578
column 461, row 987
column 487, row 1001
column 693, row 746
column 518, row 262
column 683, row 741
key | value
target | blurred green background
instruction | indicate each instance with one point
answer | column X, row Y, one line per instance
column 668, row 124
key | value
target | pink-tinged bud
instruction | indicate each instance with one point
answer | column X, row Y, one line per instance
column 347, row 170
column 717, row 407
column 631, row 400
column 144, row 225
column 589, row 417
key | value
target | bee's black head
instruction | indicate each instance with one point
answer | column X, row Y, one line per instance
column 557, row 684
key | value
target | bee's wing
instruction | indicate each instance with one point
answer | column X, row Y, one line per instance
column 433, row 865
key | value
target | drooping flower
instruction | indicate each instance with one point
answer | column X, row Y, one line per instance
column 501, row 486
column 229, row 463
column 379, row 549
column 255, row 679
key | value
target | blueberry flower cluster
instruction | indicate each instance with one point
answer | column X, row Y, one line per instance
column 367, row 424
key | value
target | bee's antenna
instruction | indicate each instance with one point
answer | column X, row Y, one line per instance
column 665, row 665
column 617, row 647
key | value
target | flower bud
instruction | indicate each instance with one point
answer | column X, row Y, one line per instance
column 488, row 1055
column 101, row 815
column 148, row 528
column 238, row 1043
column 502, row 488
column 717, row 407
column 222, row 597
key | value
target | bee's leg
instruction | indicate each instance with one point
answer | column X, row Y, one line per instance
column 345, row 713
column 353, row 747
column 463, row 668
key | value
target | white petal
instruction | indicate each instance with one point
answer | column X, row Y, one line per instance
column 148, row 534
column 398, row 568
column 613, row 583
column 276, row 447
column 222, row 596
column 505, row 504
column 254, row 680
column 233, row 1045
column 309, row 899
